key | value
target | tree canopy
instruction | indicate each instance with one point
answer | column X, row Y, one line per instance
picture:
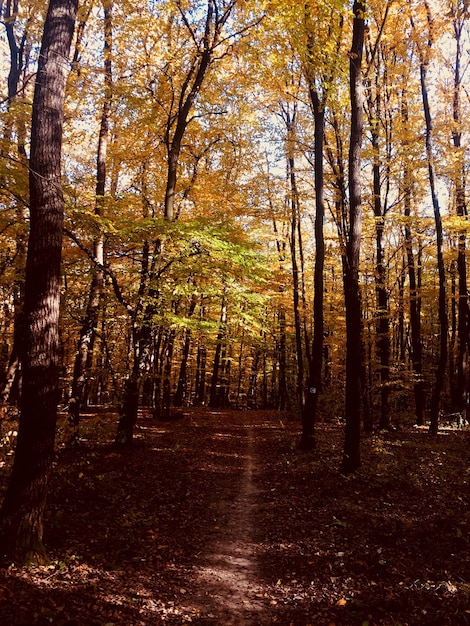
column 241, row 181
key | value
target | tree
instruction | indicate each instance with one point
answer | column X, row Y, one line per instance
column 295, row 240
column 459, row 12
column 21, row 516
column 413, row 277
column 351, row 453
column 91, row 317
column 171, row 250
column 318, row 83
column 207, row 36
column 377, row 105
column 19, row 45
column 424, row 59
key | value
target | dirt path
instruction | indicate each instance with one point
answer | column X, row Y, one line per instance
column 219, row 520
column 228, row 577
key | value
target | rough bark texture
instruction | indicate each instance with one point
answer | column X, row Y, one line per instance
column 21, row 515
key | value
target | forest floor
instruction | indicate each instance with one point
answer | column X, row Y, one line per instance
column 218, row 519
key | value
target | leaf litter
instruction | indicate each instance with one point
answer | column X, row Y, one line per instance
column 219, row 519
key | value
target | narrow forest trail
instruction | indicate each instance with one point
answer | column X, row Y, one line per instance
column 219, row 520
column 228, row 579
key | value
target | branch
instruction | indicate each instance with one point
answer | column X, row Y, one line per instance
column 239, row 33
column 187, row 24
column 106, row 270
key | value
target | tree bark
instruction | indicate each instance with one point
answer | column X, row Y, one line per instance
column 21, row 516
column 90, row 321
column 443, row 321
column 214, row 398
column 314, row 383
column 289, row 120
column 182, row 387
column 200, row 382
column 354, row 353
column 19, row 60
column 414, row 292
column 214, row 21
column 460, row 14
column 282, row 359
column 383, row 314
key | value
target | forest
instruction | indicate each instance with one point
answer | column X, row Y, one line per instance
column 237, row 229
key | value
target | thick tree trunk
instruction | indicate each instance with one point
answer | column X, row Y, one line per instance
column 354, row 354
column 21, row 516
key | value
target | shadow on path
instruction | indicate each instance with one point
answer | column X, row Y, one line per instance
column 228, row 574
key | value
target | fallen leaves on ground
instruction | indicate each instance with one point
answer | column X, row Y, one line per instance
column 129, row 532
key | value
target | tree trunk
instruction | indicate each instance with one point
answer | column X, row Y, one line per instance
column 354, row 353
column 19, row 59
column 443, row 321
column 463, row 336
column 192, row 84
column 90, row 322
column 129, row 409
column 241, row 373
column 21, row 516
column 142, row 337
column 142, row 342
column 282, row 357
column 309, row 414
column 166, row 385
column 214, row 399
column 181, row 390
column 413, row 279
column 200, row 383
column 295, row 218
column 383, row 314
column 289, row 118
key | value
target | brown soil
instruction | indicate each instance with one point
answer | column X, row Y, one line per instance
column 218, row 519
